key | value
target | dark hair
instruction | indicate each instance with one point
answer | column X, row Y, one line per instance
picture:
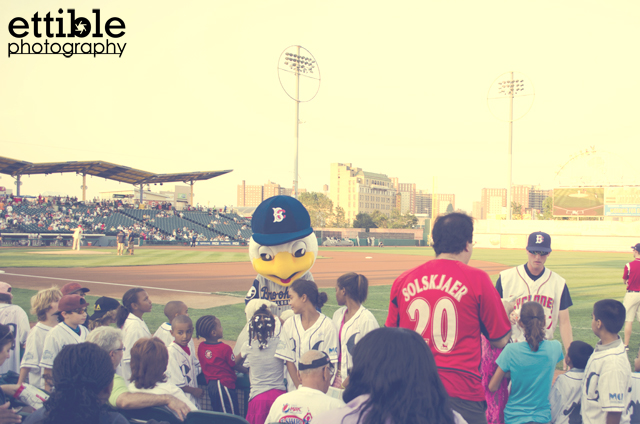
column 310, row 288
column 130, row 296
column 355, row 285
column 262, row 326
column 612, row 314
column 452, row 232
column 205, row 326
column 6, row 298
column 579, row 352
column 80, row 372
column 7, row 335
column 106, row 319
column 398, row 393
column 532, row 318
column 149, row 360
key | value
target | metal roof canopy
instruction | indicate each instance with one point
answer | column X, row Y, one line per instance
column 102, row 169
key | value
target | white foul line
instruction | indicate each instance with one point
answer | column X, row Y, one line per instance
column 109, row 284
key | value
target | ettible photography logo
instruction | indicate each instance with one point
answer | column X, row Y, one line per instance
column 60, row 32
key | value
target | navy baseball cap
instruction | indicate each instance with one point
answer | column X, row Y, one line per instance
column 636, row 247
column 280, row 219
column 539, row 242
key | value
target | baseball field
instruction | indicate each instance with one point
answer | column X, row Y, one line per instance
column 214, row 280
column 583, row 201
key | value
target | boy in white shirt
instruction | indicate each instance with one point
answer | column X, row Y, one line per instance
column 184, row 367
column 566, row 391
column 16, row 318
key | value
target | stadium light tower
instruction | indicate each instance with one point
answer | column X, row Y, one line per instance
column 500, row 101
column 296, row 62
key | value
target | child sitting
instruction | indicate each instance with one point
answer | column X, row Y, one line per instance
column 171, row 310
column 72, row 312
column 532, row 364
column 149, row 360
column 607, row 385
column 44, row 305
column 266, row 372
column 184, row 366
column 218, row 363
column 565, row 393
column 13, row 316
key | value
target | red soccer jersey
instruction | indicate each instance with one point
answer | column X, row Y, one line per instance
column 217, row 362
column 632, row 273
column 449, row 304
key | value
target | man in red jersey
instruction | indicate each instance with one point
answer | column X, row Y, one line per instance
column 450, row 304
column 631, row 300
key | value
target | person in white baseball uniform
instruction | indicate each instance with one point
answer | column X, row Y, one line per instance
column 184, row 365
column 44, row 305
column 307, row 330
column 631, row 302
column 135, row 303
column 352, row 320
column 16, row 318
column 300, row 406
column 77, row 236
column 606, row 388
column 566, row 391
column 532, row 281
column 72, row 312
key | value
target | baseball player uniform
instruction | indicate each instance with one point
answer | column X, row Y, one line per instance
column 631, row 300
column 263, row 288
column 607, row 383
column 631, row 414
column 548, row 289
column 350, row 333
column 449, row 304
column 183, row 369
column 33, row 353
column 565, row 397
column 14, row 315
column 58, row 337
column 295, row 341
column 301, row 406
column 133, row 330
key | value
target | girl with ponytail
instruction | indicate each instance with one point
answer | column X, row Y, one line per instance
column 307, row 330
column 352, row 321
column 531, row 364
column 135, row 303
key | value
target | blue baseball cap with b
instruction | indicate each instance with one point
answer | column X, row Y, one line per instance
column 280, row 219
column 539, row 242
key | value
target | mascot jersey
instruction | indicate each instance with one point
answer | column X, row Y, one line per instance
column 266, row 289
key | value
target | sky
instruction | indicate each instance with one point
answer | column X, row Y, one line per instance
column 403, row 92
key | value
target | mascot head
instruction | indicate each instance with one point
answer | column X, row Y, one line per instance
column 283, row 246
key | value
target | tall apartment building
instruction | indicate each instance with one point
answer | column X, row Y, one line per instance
column 405, row 197
column 536, row 198
column 356, row 190
column 477, row 210
column 253, row 195
column 442, row 201
column 494, row 200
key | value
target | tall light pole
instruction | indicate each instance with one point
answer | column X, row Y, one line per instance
column 509, row 86
column 296, row 62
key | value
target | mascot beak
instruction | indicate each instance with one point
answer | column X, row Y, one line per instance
column 284, row 268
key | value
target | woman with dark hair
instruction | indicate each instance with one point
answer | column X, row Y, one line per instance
column 135, row 303
column 307, row 330
column 394, row 380
column 83, row 377
column 352, row 320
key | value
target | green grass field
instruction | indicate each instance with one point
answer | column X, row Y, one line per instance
column 591, row 276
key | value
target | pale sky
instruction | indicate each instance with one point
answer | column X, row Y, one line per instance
column 403, row 92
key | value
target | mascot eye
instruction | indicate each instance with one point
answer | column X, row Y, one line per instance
column 299, row 249
column 265, row 253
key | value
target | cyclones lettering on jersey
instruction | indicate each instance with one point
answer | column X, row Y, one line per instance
column 280, row 298
column 545, row 301
column 456, row 290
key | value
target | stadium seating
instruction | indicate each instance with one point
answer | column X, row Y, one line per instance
column 210, row 417
column 141, row 416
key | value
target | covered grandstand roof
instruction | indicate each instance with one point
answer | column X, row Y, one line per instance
column 102, row 169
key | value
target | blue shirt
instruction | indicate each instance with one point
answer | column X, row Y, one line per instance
column 531, row 378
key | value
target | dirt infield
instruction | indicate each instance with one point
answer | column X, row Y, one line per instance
column 193, row 283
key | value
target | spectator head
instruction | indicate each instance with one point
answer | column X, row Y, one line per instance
column 398, row 393
column 108, row 339
column 175, row 308
column 104, row 312
column 5, row 293
column 45, row 302
column 74, row 288
column 262, row 327
column 578, row 354
column 306, row 291
column 452, row 233
column 608, row 314
column 355, row 286
column 149, row 360
column 7, row 341
column 72, row 309
column 315, row 370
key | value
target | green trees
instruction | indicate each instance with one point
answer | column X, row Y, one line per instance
column 320, row 208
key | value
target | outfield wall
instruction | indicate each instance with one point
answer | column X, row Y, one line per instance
column 601, row 236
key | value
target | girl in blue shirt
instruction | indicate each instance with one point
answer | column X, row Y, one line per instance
column 531, row 365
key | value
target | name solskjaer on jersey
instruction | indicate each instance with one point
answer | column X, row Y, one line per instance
column 435, row 282
column 280, row 298
column 61, row 32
